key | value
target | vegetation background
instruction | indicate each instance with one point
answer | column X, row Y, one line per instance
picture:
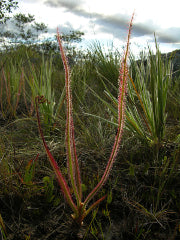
column 143, row 200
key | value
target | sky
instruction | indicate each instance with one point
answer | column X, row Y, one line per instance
column 107, row 21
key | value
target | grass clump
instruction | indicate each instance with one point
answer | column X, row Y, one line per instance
column 143, row 186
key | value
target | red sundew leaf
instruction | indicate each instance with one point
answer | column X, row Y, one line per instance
column 32, row 161
column 95, row 204
column 72, row 161
column 62, row 182
column 123, row 76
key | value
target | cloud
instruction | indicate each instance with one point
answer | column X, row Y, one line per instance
column 72, row 6
column 169, row 35
column 117, row 24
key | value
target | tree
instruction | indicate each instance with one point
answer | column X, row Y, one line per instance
column 21, row 29
column 68, row 40
column 6, row 7
column 73, row 36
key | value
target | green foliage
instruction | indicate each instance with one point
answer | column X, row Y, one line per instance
column 11, row 88
column 6, row 7
column 41, row 82
column 95, row 227
column 25, row 30
column 30, row 171
column 48, row 187
column 154, row 205
column 145, row 198
column 109, row 197
column 21, row 81
column 73, row 36
column 178, row 139
column 147, row 98
column 173, row 104
column 106, row 63
column 146, row 113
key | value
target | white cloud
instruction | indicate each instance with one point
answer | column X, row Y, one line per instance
column 98, row 18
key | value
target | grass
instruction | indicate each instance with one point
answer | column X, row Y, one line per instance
column 150, row 78
column 143, row 193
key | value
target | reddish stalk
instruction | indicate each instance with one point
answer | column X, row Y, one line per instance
column 79, row 210
column 62, row 182
column 73, row 165
column 121, row 115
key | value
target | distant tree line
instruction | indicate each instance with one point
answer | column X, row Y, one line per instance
column 23, row 29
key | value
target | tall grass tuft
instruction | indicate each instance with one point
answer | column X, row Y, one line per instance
column 11, row 88
column 80, row 207
column 146, row 112
column 146, row 106
column 40, row 82
column 21, row 81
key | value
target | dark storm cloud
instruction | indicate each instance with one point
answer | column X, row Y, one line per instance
column 170, row 35
column 69, row 6
column 118, row 24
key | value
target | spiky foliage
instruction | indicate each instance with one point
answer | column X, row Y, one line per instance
column 79, row 208
column 147, row 97
column 149, row 85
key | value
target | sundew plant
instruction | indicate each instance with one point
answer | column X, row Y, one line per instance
column 81, row 206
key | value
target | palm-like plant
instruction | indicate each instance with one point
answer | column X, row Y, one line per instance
column 147, row 97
